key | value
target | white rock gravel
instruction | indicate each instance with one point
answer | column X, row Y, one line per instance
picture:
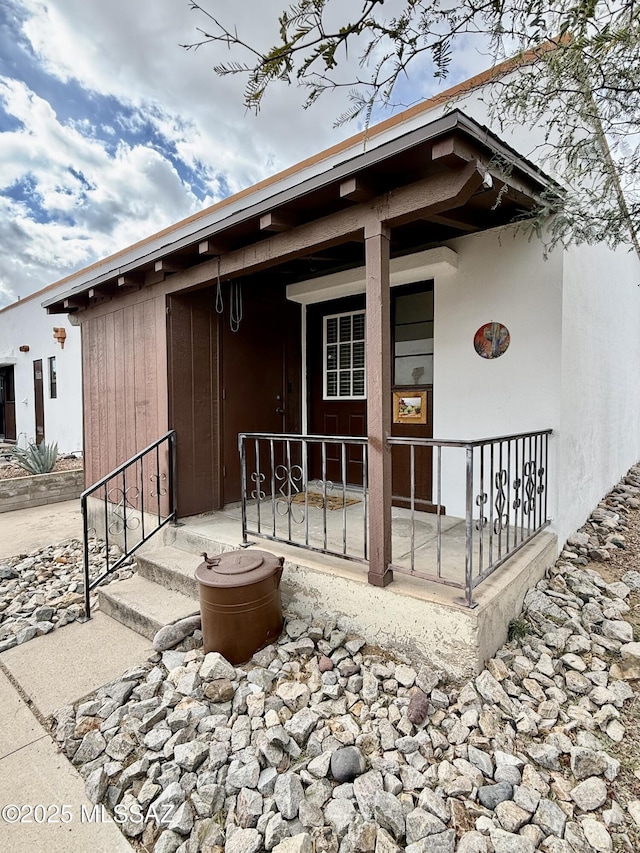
column 522, row 758
column 44, row 590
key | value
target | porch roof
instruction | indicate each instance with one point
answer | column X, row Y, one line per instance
column 331, row 186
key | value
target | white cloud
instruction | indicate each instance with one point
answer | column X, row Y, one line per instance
column 132, row 52
column 99, row 194
column 83, row 201
column 95, row 191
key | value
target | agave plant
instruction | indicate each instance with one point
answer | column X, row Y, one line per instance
column 36, row 458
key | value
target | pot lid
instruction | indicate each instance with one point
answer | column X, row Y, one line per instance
column 238, row 568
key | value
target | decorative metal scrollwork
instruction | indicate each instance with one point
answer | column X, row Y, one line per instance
column 502, row 519
column 530, row 487
column 258, row 494
column 517, row 502
column 291, row 485
column 158, row 478
column 120, row 521
column 481, row 500
column 540, row 488
column 324, row 485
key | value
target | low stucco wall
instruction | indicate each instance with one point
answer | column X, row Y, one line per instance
column 452, row 637
column 40, row 489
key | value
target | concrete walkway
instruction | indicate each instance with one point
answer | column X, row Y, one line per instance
column 51, row 671
column 24, row 530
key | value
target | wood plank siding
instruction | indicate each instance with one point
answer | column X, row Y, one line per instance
column 194, row 403
column 124, row 383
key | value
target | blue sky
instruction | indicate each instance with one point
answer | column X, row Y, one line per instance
column 110, row 131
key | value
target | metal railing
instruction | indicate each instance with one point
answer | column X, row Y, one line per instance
column 294, row 490
column 129, row 506
column 504, row 503
column 291, row 482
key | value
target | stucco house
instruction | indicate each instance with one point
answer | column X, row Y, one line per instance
column 40, row 375
column 364, row 359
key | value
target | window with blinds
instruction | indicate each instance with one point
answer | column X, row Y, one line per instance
column 344, row 356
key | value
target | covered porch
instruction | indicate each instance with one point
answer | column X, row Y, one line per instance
column 327, row 323
column 496, row 490
column 413, row 615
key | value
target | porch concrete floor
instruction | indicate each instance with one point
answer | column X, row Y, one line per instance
column 411, row 614
column 347, row 526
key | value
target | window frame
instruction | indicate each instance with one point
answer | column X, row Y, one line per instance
column 53, row 377
column 325, row 346
column 419, row 287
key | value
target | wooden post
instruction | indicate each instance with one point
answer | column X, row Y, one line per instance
column 378, row 401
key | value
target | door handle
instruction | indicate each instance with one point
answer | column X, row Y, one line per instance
column 280, row 410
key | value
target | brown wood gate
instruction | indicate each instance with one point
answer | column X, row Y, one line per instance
column 193, row 366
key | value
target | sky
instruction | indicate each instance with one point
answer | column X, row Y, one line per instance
column 110, row 130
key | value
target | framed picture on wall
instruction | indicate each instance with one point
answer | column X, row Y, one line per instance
column 409, row 406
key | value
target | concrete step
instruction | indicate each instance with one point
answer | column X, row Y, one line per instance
column 143, row 605
column 222, row 537
column 171, row 568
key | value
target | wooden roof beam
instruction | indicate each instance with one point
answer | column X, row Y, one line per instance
column 355, row 189
column 210, row 249
column 277, row 221
column 434, row 195
column 453, row 222
column 130, row 279
column 102, row 291
column 166, row 266
column 75, row 302
column 453, row 151
column 437, row 194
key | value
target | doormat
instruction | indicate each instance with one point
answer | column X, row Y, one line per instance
column 316, row 499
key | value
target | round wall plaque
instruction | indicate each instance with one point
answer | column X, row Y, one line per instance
column 491, row 340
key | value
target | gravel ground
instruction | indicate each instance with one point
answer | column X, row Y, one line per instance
column 44, row 590
column 322, row 744
column 65, row 463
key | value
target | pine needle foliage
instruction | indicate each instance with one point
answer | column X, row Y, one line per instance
column 578, row 78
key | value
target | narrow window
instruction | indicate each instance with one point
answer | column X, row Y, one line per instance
column 344, row 356
column 53, row 378
column 413, row 334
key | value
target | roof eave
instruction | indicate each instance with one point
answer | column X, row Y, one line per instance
column 453, row 121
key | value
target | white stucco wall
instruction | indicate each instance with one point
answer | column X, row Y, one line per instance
column 573, row 363
column 26, row 323
column 599, row 428
column 501, row 277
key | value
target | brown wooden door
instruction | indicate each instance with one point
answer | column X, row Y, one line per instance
column 412, row 376
column 10, row 420
column 8, row 398
column 333, row 416
column 192, row 330
column 38, row 390
column 423, row 461
column 3, row 396
column 349, row 417
column 260, row 376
